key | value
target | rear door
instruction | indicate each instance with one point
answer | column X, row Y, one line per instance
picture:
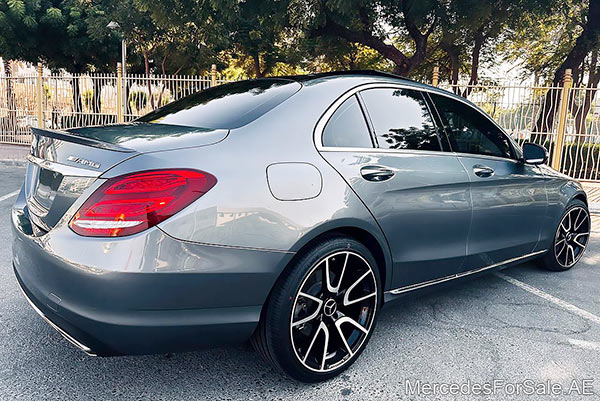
column 509, row 196
column 384, row 142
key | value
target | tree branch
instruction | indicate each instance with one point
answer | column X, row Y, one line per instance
column 332, row 28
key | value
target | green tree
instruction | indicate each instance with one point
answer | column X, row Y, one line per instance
column 17, row 18
column 56, row 33
column 331, row 54
column 257, row 29
column 468, row 32
column 398, row 30
column 568, row 38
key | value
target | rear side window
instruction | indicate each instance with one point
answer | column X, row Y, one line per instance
column 347, row 127
column 469, row 131
column 401, row 119
column 225, row 106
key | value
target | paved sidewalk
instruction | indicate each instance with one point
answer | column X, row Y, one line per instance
column 593, row 192
column 13, row 154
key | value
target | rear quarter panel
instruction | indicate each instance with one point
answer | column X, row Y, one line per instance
column 241, row 211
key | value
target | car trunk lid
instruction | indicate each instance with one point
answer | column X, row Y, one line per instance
column 63, row 164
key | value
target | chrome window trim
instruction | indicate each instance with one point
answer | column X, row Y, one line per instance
column 63, row 169
column 322, row 122
column 440, row 280
column 386, row 151
column 490, row 157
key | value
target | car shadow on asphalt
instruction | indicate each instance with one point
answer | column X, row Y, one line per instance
column 469, row 306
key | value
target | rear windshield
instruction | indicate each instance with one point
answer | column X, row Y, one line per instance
column 225, row 106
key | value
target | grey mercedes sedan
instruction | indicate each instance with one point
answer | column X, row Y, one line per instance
column 286, row 211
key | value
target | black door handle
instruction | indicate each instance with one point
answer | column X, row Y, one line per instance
column 376, row 173
column 483, row 171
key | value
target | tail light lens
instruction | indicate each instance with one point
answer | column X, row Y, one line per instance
column 131, row 203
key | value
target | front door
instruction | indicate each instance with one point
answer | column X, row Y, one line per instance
column 508, row 196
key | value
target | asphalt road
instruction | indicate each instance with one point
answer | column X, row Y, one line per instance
column 540, row 328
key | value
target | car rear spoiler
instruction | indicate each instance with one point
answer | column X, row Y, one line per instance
column 81, row 140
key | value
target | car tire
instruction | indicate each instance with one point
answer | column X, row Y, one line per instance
column 304, row 312
column 570, row 239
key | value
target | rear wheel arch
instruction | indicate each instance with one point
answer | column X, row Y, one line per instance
column 377, row 246
column 379, row 250
column 274, row 325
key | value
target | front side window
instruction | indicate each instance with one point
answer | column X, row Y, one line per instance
column 401, row 119
column 347, row 127
column 469, row 130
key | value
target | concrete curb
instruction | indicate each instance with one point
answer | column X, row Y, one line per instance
column 13, row 162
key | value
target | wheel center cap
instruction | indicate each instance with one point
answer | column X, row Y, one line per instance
column 570, row 237
column 330, row 307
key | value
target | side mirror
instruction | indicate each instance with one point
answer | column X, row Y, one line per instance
column 534, row 154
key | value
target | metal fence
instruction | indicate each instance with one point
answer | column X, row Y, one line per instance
column 565, row 120
column 62, row 101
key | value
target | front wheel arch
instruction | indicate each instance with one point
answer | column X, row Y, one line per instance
column 551, row 260
column 580, row 196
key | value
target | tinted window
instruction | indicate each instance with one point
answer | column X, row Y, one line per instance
column 347, row 127
column 470, row 131
column 225, row 106
column 401, row 119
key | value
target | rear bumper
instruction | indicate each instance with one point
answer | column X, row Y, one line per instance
column 44, row 315
column 148, row 332
column 144, row 294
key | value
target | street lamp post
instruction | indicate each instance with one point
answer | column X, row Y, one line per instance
column 123, row 55
column 113, row 25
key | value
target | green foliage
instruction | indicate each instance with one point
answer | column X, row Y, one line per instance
column 541, row 41
column 16, row 7
column 53, row 16
column 87, row 97
column 581, row 159
column 138, row 99
column 18, row 23
column 47, row 91
column 267, row 37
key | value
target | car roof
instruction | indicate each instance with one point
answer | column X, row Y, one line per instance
column 371, row 76
column 367, row 74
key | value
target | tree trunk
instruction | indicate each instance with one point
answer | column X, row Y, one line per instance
column 97, row 96
column 475, row 53
column 453, row 52
column 147, row 69
column 586, row 42
column 128, row 109
column 403, row 64
column 257, row 71
column 590, row 93
column 11, row 120
column 77, row 104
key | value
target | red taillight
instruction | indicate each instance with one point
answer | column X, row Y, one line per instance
column 131, row 203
